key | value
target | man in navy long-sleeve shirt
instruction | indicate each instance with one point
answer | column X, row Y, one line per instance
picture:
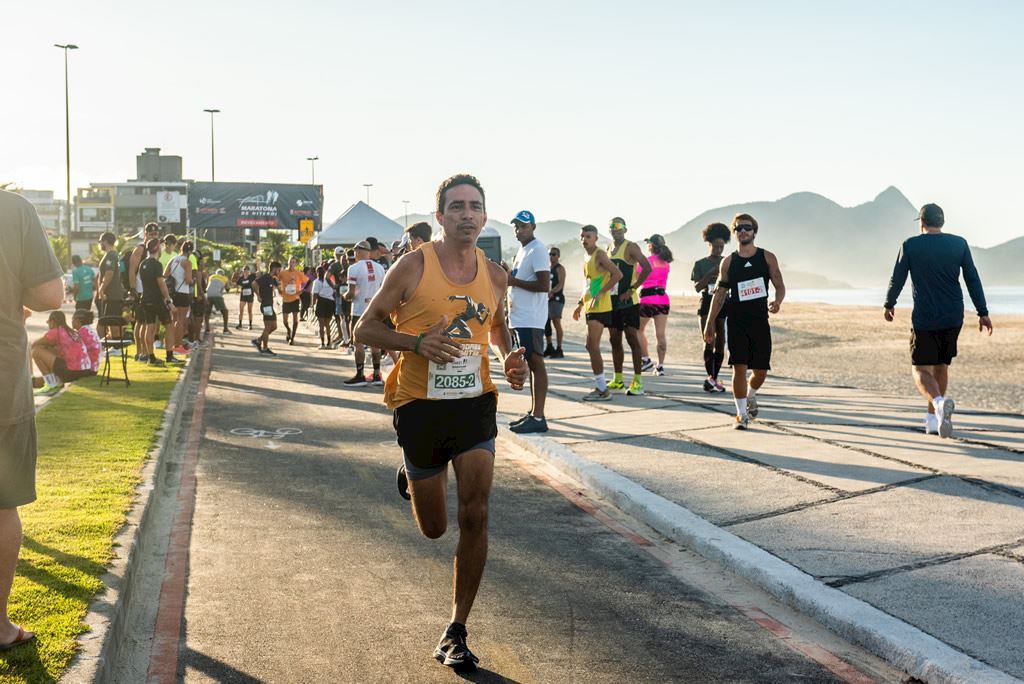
column 934, row 261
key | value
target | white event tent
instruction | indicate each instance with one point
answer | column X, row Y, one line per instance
column 359, row 222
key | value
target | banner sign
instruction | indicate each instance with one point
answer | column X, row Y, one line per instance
column 168, row 207
column 269, row 206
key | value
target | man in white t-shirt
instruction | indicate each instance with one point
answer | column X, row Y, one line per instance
column 529, row 281
column 364, row 279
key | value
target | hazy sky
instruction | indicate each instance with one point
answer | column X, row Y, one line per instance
column 581, row 110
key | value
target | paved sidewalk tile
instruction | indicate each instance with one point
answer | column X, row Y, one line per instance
column 830, row 465
column 974, row 603
column 892, row 528
column 707, row 482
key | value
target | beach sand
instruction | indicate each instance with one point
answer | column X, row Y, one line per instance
column 854, row 346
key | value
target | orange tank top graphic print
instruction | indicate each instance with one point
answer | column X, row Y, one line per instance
column 469, row 308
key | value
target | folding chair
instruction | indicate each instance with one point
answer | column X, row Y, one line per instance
column 121, row 343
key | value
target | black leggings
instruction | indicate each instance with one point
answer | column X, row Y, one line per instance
column 714, row 354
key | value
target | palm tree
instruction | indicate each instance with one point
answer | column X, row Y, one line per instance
column 274, row 246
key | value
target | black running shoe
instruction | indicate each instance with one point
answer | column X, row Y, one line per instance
column 402, row 480
column 357, row 380
column 453, row 652
column 153, row 361
column 558, row 354
column 256, row 343
column 266, row 350
column 708, row 385
column 238, row 327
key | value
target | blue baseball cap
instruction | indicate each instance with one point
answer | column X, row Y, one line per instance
column 525, row 217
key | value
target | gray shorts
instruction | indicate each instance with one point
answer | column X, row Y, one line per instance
column 17, row 464
column 218, row 304
column 555, row 310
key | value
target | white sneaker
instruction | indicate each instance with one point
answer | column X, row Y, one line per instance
column 752, row 407
column 945, row 416
column 931, row 425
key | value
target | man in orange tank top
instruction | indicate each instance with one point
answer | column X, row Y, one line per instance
column 447, row 303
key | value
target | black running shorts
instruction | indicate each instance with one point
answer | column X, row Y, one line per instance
column 153, row 312
column 750, row 343
column 604, row 318
column 324, row 308
column 181, row 300
column 933, row 347
column 628, row 317
column 530, row 339
column 110, row 307
column 652, row 310
column 290, row 307
column 432, row 432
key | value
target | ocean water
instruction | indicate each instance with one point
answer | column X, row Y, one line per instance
column 1001, row 300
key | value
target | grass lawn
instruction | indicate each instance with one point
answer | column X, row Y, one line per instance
column 93, row 441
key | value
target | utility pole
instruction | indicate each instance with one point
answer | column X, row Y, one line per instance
column 67, row 132
column 213, row 168
column 312, row 169
column 367, row 186
column 406, row 203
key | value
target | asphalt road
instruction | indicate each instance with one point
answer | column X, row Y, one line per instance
column 305, row 565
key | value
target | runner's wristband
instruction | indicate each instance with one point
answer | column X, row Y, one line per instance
column 416, row 347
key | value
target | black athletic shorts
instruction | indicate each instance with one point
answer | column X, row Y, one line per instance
column 151, row 312
column 324, row 308
column 267, row 317
column 750, row 343
column 181, row 300
column 652, row 310
column 933, row 347
column 61, row 370
column 243, row 299
column 628, row 317
column 198, row 308
column 216, row 304
column 531, row 339
column 83, row 305
column 290, row 307
column 432, row 432
column 604, row 318
column 705, row 307
column 110, row 307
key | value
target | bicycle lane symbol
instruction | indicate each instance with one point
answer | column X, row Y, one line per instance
column 270, row 435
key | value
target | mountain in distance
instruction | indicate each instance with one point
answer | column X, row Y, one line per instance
column 548, row 232
column 1000, row 265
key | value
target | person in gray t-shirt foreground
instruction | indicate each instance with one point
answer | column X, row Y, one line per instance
column 31, row 277
column 934, row 261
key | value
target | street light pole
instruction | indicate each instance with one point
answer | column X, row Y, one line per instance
column 213, row 168
column 67, row 130
column 367, row 186
column 312, row 169
column 406, row 203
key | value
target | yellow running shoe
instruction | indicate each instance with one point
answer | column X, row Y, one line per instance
column 616, row 385
column 636, row 388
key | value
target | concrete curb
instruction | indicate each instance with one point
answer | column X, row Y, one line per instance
column 901, row 644
column 98, row 648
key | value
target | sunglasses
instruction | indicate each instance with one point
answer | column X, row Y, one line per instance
column 743, row 228
column 617, row 226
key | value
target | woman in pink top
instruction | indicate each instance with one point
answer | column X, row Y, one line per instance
column 60, row 355
column 654, row 302
column 81, row 321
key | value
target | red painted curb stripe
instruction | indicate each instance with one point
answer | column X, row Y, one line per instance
column 163, row 662
column 827, row 659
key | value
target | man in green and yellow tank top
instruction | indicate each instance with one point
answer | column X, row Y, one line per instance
column 630, row 260
column 602, row 275
column 447, row 304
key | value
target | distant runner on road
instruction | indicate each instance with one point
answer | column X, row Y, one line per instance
column 292, row 282
column 705, row 278
column 245, row 295
column 596, row 303
column 448, row 305
column 934, row 261
column 364, row 279
column 635, row 268
column 266, row 285
column 744, row 277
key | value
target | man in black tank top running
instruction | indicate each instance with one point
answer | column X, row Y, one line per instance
column 744, row 277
